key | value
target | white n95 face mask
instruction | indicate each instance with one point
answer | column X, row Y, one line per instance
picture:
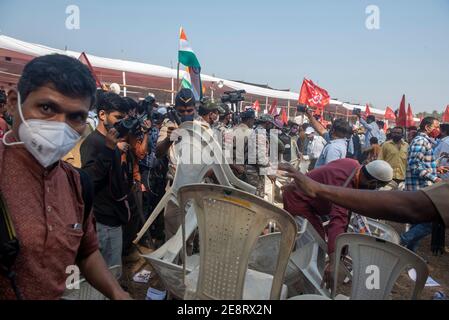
column 47, row 141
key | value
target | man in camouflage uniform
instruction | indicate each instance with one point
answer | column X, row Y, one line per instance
column 251, row 152
column 223, row 132
column 208, row 114
column 267, row 126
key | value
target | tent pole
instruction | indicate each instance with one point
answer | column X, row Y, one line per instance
column 172, row 91
column 266, row 104
column 124, row 83
column 177, row 78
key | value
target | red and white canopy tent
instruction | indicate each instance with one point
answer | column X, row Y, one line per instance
column 138, row 79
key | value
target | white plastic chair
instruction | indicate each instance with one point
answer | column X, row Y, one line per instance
column 163, row 259
column 379, row 229
column 310, row 258
column 190, row 173
column 373, row 257
column 86, row 291
column 306, row 263
column 229, row 224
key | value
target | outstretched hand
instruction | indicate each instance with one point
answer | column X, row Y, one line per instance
column 307, row 185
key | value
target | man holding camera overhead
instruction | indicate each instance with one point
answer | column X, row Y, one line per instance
column 371, row 127
column 336, row 137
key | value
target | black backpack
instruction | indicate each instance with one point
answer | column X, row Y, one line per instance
column 10, row 245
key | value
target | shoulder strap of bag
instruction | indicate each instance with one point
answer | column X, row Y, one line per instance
column 87, row 190
column 9, row 244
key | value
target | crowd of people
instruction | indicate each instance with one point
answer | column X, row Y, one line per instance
column 81, row 170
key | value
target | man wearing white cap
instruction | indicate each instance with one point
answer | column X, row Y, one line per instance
column 347, row 173
column 314, row 147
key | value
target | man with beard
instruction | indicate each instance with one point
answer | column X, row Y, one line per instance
column 395, row 152
column 344, row 172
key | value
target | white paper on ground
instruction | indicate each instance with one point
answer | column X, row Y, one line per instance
column 142, row 276
column 429, row 283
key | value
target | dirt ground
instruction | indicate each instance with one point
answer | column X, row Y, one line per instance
column 438, row 268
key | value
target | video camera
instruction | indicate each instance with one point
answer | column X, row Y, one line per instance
column 356, row 111
column 233, row 97
column 173, row 115
column 132, row 125
column 3, row 97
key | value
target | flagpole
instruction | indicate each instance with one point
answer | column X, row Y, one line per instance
column 177, row 78
column 179, row 48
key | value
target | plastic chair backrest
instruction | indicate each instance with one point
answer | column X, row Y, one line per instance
column 377, row 229
column 191, row 167
column 313, row 247
column 229, row 224
column 202, row 137
column 376, row 266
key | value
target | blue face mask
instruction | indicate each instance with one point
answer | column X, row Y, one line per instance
column 185, row 118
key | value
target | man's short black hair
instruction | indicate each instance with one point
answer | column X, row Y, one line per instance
column 427, row 121
column 444, row 127
column 374, row 140
column 398, row 128
column 132, row 104
column 110, row 102
column 66, row 74
column 371, row 118
column 380, row 123
column 342, row 128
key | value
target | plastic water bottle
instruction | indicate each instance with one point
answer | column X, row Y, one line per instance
column 439, row 296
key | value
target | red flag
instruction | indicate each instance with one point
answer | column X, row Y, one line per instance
column 256, row 106
column 401, row 119
column 446, row 115
column 284, row 116
column 410, row 118
column 312, row 95
column 84, row 60
column 274, row 110
column 367, row 111
column 389, row 114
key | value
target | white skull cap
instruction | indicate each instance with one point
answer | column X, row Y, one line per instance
column 380, row 170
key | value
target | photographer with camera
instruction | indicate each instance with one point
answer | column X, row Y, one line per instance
column 135, row 128
column 154, row 177
column 336, row 138
column 105, row 157
column 184, row 111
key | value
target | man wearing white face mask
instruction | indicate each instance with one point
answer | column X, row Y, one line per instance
column 42, row 194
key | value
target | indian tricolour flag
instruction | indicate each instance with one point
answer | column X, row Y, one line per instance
column 187, row 57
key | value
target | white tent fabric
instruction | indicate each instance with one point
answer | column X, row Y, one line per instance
column 36, row 50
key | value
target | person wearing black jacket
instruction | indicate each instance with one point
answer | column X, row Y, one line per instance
column 107, row 161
